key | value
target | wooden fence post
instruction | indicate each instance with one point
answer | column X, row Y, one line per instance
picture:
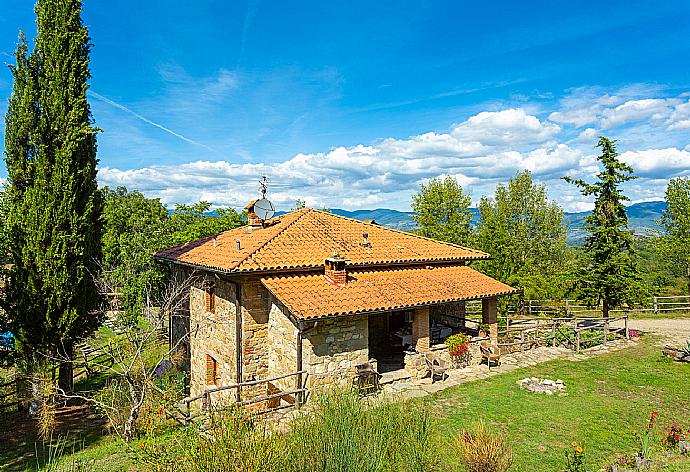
column 529, row 307
column 606, row 331
column 627, row 332
column 577, row 341
column 567, row 308
column 656, row 306
column 553, row 333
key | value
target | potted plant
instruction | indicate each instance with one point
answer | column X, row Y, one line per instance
column 459, row 348
column 484, row 330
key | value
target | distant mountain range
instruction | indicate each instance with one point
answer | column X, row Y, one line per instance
column 643, row 217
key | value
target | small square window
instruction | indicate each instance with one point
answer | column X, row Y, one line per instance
column 211, row 370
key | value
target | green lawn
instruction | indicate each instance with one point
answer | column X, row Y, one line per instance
column 610, row 398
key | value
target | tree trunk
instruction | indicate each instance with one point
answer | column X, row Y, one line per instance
column 66, row 375
column 605, row 307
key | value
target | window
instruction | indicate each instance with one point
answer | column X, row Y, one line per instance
column 211, row 370
column 211, row 299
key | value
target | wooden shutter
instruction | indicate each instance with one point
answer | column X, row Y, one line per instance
column 210, row 299
column 211, row 370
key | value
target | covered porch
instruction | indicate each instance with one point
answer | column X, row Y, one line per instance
column 399, row 340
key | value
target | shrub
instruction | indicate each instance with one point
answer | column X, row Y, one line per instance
column 341, row 433
column 458, row 344
column 233, row 442
column 482, row 450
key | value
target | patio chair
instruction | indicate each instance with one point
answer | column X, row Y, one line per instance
column 490, row 354
column 366, row 381
column 437, row 367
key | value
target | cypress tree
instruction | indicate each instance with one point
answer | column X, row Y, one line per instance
column 53, row 204
column 608, row 273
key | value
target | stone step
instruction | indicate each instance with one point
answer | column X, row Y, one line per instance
column 394, row 377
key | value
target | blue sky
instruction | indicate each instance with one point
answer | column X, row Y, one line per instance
column 353, row 104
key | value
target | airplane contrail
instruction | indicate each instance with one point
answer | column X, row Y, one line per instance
column 100, row 97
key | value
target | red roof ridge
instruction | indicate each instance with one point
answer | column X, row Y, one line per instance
column 482, row 253
column 303, row 212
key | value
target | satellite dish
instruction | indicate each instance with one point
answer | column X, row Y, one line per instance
column 263, row 208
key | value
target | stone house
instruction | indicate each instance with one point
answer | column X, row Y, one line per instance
column 313, row 292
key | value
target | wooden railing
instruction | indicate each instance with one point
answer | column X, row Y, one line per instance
column 8, row 395
column 546, row 330
column 295, row 398
column 551, row 308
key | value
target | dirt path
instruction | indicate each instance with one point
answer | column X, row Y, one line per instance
column 676, row 330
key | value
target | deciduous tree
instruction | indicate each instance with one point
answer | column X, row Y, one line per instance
column 442, row 211
column 524, row 233
column 676, row 223
column 608, row 272
column 54, row 206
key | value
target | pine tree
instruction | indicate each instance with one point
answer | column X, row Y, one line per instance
column 53, row 204
column 608, row 273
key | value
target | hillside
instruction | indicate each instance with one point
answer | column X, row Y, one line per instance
column 643, row 219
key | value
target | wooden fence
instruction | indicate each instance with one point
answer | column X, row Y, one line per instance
column 532, row 332
column 567, row 308
column 8, row 395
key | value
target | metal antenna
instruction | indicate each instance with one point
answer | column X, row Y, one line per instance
column 263, row 188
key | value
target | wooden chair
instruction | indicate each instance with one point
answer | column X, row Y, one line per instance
column 490, row 354
column 436, row 367
column 366, row 381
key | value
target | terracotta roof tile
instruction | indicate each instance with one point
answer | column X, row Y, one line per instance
column 310, row 296
column 304, row 238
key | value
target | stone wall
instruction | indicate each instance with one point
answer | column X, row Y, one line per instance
column 212, row 334
column 282, row 339
column 333, row 348
column 255, row 302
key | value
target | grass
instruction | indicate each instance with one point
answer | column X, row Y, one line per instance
column 610, row 398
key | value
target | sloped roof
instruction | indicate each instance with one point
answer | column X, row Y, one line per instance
column 310, row 296
column 304, row 238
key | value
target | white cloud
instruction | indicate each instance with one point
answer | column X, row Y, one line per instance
column 485, row 149
column 511, row 126
column 657, row 163
column 650, row 108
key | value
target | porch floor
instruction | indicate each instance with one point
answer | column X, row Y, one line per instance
column 401, row 385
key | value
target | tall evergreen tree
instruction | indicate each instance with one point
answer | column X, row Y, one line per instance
column 608, row 272
column 54, row 206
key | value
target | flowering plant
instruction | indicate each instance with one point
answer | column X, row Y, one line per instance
column 646, row 437
column 625, row 461
column 633, row 334
column 672, row 434
column 458, row 344
column 575, row 458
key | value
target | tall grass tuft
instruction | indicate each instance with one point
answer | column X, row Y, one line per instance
column 340, row 433
column 482, row 450
column 346, row 434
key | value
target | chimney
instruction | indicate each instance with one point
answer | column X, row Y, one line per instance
column 253, row 221
column 335, row 270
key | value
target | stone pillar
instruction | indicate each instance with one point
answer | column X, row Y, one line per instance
column 490, row 316
column 462, row 312
column 420, row 330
